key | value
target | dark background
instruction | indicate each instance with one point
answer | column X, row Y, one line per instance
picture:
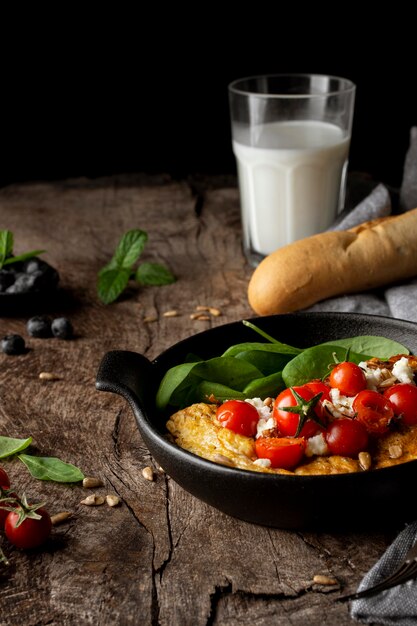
column 131, row 92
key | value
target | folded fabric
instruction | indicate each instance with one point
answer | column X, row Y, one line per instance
column 396, row 606
column 398, row 301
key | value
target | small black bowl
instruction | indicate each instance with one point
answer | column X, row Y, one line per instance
column 375, row 498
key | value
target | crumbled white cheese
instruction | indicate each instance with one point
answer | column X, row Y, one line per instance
column 374, row 376
column 403, row 372
column 264, row 425
column 339, row 405
column 266, row 421
column 263, row 410
column 262, row 462
column 317, row 445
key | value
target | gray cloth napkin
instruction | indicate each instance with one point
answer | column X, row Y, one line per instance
column 396, row 300
column 396, row 606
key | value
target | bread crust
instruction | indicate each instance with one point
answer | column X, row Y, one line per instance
column 370, row 255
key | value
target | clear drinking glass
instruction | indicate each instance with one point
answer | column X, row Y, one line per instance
column 291, row 137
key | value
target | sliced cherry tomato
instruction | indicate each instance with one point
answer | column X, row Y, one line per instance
column 348, row 378
column 347, row 437
column 4, row 479
column 31, row 533
column 288, row 421
column 374, row 411
column 282, row 452
column 239, row 416
column 403, row 398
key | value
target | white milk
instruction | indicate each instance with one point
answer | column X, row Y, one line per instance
column 291, row 182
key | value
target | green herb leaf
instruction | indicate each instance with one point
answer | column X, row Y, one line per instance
column 154, row 274
column 51, row 468
column 6, row 245
column 248, row 346
column 112, row 283
column 267, row 386
column 205, row 389
column 10, row 446
column 130, row 248
column 314, row 363
column 372, row 345
column 23, row 257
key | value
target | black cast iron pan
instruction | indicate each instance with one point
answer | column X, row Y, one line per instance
column 377, row 498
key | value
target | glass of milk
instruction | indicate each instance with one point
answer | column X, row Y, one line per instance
column 291, row 136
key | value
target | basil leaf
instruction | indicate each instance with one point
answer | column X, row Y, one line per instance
column 112, row 283
column 6, row 245
column 130, row 248
column 314, row 363
column 372, row 345
column 23, row 257
column 154, row 274
column 51, row 468
column 10, row 446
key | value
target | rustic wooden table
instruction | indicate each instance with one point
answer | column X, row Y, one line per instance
column 162, row 557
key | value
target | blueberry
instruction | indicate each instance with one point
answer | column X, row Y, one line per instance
column 13, row 344
column 39, row 326
column 62, row 328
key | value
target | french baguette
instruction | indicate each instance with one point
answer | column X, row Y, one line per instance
column 370, row 255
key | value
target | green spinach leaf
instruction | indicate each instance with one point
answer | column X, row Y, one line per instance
column 314, row 363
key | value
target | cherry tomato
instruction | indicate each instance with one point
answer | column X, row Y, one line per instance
column 374, row 411
column 317, row 386
column 239, row 416
column 346, row 437
column 403, row 398
column 31, row 533
column 282, row 452
column 287, row 421
column 348, row 378
column 4, row 479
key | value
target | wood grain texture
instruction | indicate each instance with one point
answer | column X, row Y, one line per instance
column 162, row 557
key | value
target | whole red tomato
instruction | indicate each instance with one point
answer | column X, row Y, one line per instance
column 283, row 453
column 318, row 386
column 374, row 411
column 403, row 398
column 348, row 378
column 31, row 533
column 346, row 437
column 239, row 416
column 288, row 421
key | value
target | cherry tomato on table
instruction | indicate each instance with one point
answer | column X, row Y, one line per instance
column 374, row 411
column 288, row 421
column 31, row 533
column 403, row 398
column 348, row 378
column 282, row 452
column 239, row 416
column 7, row 503
column 346, row 437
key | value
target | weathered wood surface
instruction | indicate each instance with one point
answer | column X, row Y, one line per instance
column 163, row 557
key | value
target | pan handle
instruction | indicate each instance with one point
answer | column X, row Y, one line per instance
column 128, row 374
